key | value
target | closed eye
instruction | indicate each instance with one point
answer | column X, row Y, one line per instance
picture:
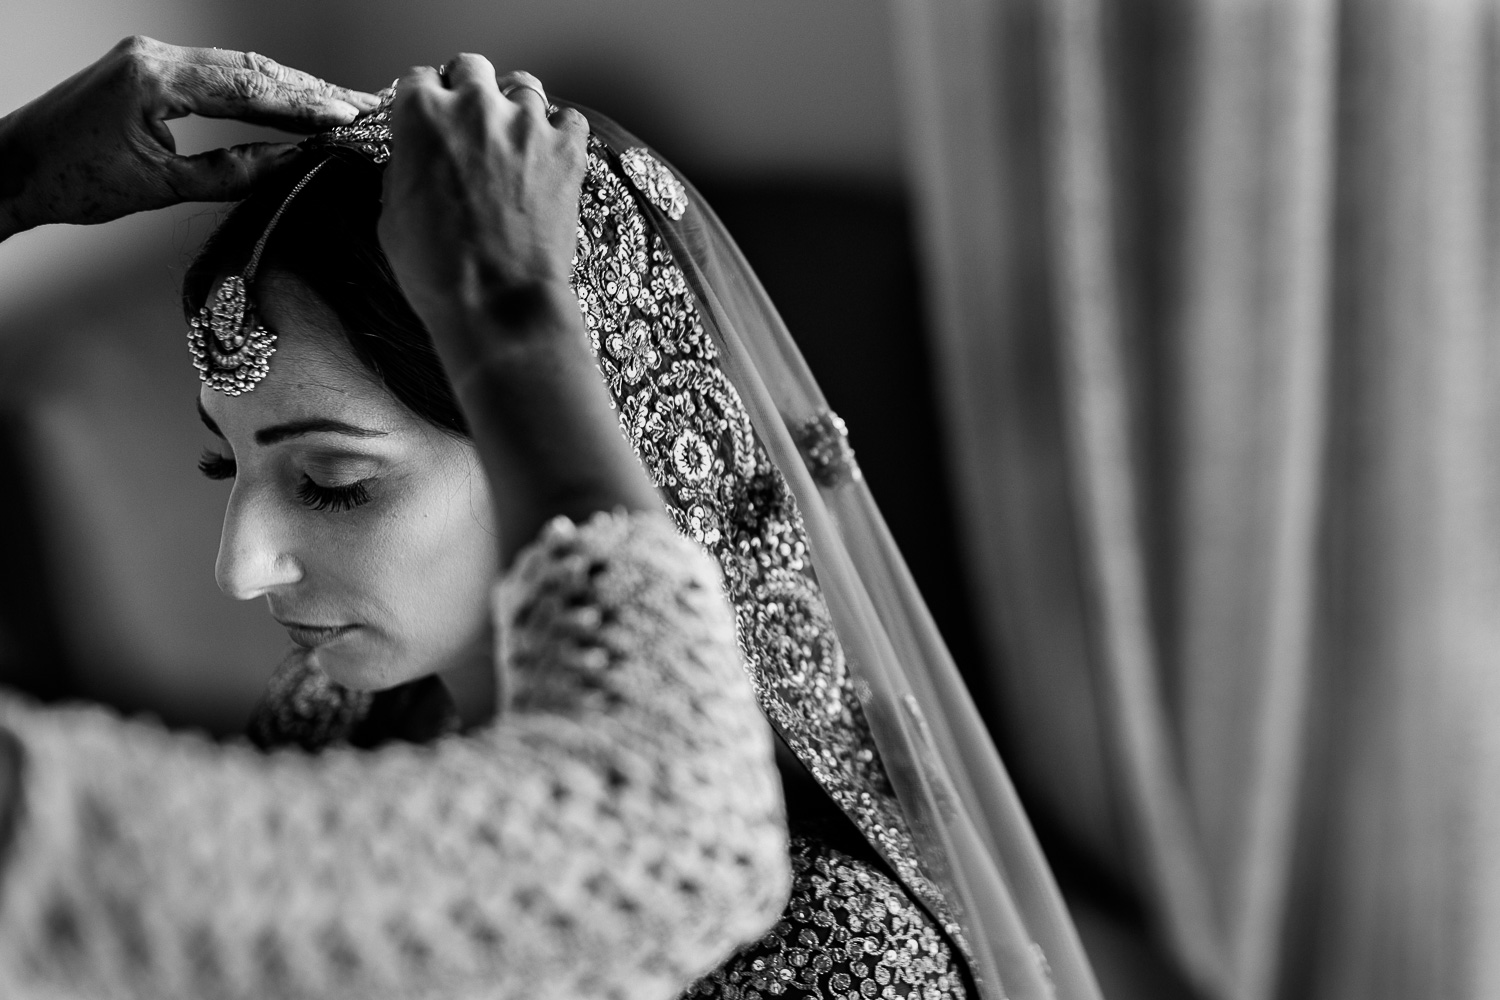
column 216, row 466
column 335, row 498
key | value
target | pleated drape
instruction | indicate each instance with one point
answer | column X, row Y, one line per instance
column 1214, row 307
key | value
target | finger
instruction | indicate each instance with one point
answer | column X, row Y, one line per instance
column 250, row 96
column 469, row 69
column 226, row 174
column 419, row 78
column 266, row 66
column 525, row 90
column 571, row 122
column 162, row 134
column 419, row 92
column 418, row 85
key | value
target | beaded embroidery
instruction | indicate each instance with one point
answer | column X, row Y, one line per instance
column 656, row 181
column 849, row 932
column 824, row 443
column 370, row 133
column 230, row 349
column 692, row 432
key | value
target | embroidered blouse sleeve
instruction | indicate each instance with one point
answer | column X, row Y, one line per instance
column 616, row 833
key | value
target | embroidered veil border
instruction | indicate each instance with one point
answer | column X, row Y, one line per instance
column 848, row 664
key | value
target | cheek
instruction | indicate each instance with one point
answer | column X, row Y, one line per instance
column 416, row 565
column 433, row 557
column 454, row 558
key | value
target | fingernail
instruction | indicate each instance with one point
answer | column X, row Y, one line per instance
column 364, row 101
column 344, row 110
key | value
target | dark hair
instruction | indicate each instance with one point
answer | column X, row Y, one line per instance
column 327, row 239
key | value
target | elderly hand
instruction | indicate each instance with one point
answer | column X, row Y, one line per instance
column 481, row 198
column 96, row 146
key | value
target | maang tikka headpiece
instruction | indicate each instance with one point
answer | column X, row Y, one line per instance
column 231, row 351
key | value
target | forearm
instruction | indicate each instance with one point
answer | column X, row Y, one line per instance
column 541, row 419
column 524, row 861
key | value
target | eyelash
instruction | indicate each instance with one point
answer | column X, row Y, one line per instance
column 216, row 466
column 335, row 498
column 309, row 493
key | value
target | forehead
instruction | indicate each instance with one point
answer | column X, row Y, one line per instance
column 314, row 372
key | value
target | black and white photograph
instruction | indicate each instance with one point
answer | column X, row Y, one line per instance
column 713, row 500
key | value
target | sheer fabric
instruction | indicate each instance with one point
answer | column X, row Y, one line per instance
column 972, row 836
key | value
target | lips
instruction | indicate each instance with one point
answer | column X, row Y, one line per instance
column 313, row 636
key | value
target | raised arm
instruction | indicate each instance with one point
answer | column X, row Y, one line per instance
column 616, row 833
column 480, row 219
column 96, row 146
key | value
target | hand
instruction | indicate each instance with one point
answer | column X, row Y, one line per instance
column 97, row 147
column 481, row 200
column 479, row 224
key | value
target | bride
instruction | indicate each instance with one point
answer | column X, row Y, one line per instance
column 401, row 335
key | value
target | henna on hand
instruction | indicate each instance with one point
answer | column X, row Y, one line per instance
column 97, row 147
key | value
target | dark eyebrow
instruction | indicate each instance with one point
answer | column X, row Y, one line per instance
column 296, row 428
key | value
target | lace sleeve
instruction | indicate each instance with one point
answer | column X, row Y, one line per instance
column 616, row 833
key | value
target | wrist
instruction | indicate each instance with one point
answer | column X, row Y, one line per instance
column 510, row 327
column 518, row 309
column 540, row 416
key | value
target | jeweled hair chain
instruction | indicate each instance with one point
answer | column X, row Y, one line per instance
column 230, row 350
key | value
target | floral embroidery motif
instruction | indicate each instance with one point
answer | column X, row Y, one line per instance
column 632, row 348
column 693, row 434
column 654, row 180
column 848, row 932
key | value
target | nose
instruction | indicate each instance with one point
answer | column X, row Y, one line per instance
column 254, row 555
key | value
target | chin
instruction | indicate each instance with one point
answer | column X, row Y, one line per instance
column 361, row 666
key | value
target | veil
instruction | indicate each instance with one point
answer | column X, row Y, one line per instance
column 974, row 858
column 847, row 664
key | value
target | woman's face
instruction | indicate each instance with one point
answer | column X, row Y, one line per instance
column 368, row 530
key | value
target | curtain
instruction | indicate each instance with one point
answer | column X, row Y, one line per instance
column 1215, row 303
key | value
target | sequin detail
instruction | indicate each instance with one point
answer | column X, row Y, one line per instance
column 849, row 932
column 369, row 134
column 655, row 180
column 824, row 443
column 693, row 434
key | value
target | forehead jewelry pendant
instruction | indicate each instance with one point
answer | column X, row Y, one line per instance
column 232, row 351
